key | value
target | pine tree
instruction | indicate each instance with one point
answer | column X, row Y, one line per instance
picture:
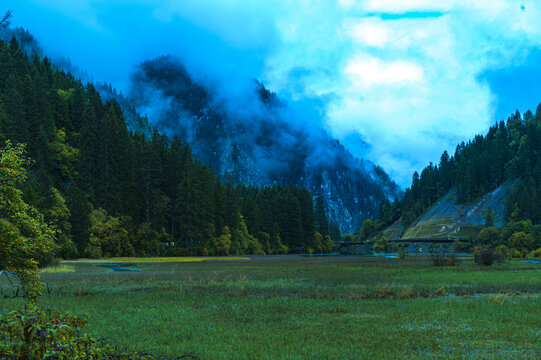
column 24, row 235
column 79, row 217
column 322, row 225
column 114, row 192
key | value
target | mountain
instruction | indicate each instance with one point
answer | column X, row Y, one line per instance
column 258, row 140
column 510, row 151
column 113, row 192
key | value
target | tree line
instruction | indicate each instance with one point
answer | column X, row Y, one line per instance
column 112, row 192
column 509, row 151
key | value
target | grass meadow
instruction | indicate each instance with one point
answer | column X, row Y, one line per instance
column 292, row 307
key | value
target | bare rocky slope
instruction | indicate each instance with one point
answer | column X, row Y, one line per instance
column 446, row 218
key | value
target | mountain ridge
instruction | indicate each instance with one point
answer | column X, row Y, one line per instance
column 353, row 189
column 259, row 144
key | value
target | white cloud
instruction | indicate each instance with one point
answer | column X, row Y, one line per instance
column 241, row 23
column 409, row 84
column 366, row 71
column 371, row 32
column 400, row 6
column 347, row 4
column 405, row 74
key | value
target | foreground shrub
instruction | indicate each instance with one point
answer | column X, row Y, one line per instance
column 35, row 334
column 486, row 255
column 501, row 253
column 536, row 253
column 24, row 234
column 381, row 245
column 441, row 257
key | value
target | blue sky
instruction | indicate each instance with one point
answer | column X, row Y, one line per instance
column 398, row 81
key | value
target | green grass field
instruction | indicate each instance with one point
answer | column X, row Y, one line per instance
column 290, row 307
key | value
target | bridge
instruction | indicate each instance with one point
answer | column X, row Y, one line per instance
column 414, row 245
column 412, row 240
column 430, row 240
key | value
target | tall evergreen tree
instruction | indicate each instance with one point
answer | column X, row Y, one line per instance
column 114, row 192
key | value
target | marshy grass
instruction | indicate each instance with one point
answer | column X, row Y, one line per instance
column 161, row 259
column 288, row 307
column 58, row 269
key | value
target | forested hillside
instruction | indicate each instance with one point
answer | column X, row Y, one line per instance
column 256, row 140
column 259, row 141
column 511, row 150
column 113, row 192
column 505, row 164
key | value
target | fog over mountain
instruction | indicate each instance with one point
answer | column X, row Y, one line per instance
column 397, row 82
column 390, row 79
column 245, row 132
column 254, row 137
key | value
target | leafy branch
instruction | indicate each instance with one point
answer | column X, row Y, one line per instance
column 4, row 23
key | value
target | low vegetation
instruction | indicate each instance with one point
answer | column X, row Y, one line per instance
column 292, row 307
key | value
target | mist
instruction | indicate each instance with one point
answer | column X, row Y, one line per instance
column 273, row 132
column 398, row 82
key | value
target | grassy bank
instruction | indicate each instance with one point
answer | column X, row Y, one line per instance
column 308, row 308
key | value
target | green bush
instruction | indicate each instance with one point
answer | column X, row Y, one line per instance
column 176, row 251
column 48, row 260
column 381, row 245
column 461, row 246
column 514, row 253
column 33, row 334
column 501, row 253
column 523, row 241
column 486, row 255
column 402, row 252
column 441, row 257
column 536, row 253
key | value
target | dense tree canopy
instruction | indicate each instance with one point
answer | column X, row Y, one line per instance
column 510, row 151
column 24, row 235
column 112, row 192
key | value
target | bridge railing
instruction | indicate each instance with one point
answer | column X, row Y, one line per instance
column 412, row 240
